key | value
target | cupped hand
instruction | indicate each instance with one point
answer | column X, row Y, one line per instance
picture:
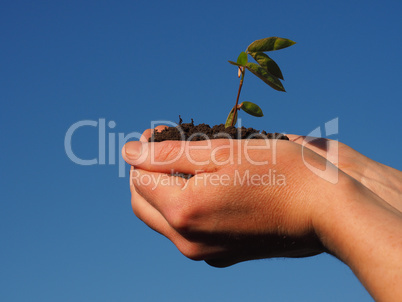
column 248, row 199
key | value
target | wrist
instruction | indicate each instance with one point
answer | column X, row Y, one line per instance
column 330, row 215
column 364, row 232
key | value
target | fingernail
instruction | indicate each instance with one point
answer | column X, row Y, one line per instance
column 133, row 150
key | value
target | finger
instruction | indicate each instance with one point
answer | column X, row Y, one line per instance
column 319, row 145
column 161, row 191
column 146, row 212
column 318, row 142
column 153, row 218
column 179, row 200
column 146, row 135
column 296, row 138
column 149, row 215
column 181, row 156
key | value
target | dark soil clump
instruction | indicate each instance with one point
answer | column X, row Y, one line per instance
column 191, row 132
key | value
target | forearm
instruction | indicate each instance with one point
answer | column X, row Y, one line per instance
column 366, row 233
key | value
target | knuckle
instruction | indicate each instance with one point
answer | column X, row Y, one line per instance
column 192, row 251
column 180, row 220
column 222, row 156
column 183, row 214
column 168, row 151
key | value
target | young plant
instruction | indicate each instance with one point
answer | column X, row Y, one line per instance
column 266, row 69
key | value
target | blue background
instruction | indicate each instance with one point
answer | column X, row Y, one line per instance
column 67, row 231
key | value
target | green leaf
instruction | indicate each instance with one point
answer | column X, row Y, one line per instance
column 251, row 109
column 230, row 118
column 264, row 75
column 234, row 63
column 242, row 59
column 267, row 63
column 269, row 44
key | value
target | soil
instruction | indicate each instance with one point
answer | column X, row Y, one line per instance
column 191, row 132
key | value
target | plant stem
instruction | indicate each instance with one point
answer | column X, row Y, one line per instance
column 243, row 71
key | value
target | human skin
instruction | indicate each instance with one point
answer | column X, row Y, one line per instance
column 227, row 224
column 384, row 181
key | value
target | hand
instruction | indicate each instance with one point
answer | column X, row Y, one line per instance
column 384, row 181
column 226, row 224
column 213, row 217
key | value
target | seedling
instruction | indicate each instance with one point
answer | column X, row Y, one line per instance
column 266, row 69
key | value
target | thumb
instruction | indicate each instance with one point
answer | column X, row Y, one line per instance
column 179, row 156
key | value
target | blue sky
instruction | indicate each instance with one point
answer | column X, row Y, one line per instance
column 67, row 230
